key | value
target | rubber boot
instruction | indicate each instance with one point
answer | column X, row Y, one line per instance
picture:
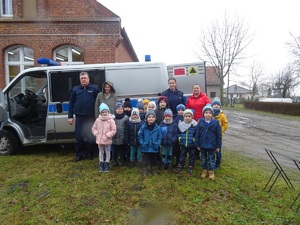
column 211, row 175
column 106, row 167
column 203, row 174
column 101, row 167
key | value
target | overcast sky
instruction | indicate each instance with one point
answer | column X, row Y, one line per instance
column 170, row 30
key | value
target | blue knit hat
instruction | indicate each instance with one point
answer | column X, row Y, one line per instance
column 119, row 104
column 140, row 105
column 206, row 108
column 188, row 111
column 180, row 106
column 102, row 107
column 216, row 101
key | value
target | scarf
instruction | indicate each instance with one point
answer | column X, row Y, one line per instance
column 168, row 122
column 216, row 112
column 134, row 120
column 120, row 116
column 183, row 126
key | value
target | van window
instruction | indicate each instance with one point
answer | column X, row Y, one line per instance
column 63, row 82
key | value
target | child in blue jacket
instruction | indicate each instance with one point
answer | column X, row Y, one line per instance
column 169, row 130
column 187, row 132
column 150, row 140
column 208, row 140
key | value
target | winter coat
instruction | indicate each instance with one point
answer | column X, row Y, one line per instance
column 159, row 112
column 174, row 98
column 197, row 104
column 221, row 117
column 178, row 118
column 209, row 135
column 187, row 138
column 169, row 133
column 82, row 100
column 131, row 133
column 111, row 101
column 119, row 138
column 104, row 129
column 150, row 140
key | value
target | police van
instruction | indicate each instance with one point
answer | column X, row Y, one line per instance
column 34, row 105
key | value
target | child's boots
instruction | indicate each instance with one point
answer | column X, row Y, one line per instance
column 211, row 175
column 101, row 167
column 203, row 174
column 106, row 167
column 153, row 169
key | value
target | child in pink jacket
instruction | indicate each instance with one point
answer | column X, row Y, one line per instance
column 104, row 129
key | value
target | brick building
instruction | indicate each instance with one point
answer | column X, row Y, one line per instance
column 69, row 31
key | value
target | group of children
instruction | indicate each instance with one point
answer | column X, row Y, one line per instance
column 152, row 132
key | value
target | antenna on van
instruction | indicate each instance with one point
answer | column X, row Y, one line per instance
column 147, row 58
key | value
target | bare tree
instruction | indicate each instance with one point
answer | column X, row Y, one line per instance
column 222, row 44
column 285, row 81
column 294, row 46
column 254, row 79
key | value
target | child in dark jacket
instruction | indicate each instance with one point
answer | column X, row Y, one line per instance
column 208, row 140
column 187, row 132
column 177, row 119
column 162, row 104
column 119, row 147
column 140, row 107
column 150, row 140
column 131, row 137
column 169, row 130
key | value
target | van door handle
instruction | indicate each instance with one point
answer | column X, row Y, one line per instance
column 59, row 108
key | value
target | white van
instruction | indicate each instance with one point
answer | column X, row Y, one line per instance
column 34, row 106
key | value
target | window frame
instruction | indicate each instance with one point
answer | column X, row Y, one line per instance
column 22, row 64
column 69, row 55
column 9, row 10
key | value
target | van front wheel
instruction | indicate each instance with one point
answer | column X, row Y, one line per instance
column 9, row 143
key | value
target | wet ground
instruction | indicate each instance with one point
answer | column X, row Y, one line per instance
column 249, row 133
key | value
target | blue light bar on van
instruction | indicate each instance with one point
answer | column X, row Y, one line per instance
column 48, row 62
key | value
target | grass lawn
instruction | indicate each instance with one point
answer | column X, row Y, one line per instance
column 46, row 187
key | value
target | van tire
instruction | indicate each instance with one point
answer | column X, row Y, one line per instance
column 9, row 143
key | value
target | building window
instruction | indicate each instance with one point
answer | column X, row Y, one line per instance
column 6, row 8
column 17, row 59
column 69, row 55
column 213, row 94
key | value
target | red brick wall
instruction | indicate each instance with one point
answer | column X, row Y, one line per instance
column 69, row 22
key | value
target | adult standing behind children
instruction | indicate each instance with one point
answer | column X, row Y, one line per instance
column 82, row 104
column 107, row 96
column 197, row 101
column 174, row 96
column 221, row 117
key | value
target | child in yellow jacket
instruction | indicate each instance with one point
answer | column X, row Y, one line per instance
column 221, row 117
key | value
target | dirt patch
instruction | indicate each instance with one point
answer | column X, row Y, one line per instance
column 249, row 133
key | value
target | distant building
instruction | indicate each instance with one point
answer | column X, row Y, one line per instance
column 69, row 31
column 237, row 92
column 213, row 82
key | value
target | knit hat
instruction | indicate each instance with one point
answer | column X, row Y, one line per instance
column 168, row 112
column 188, row 111
column 160, row 98
column 140, row 105
column 152, row 102
column 150, row 112
column 180, row 106
column 127, row 103
column 216, row 101
column 207, row 107
column 146, row 101
column 102, row 107
column 119, row 104
column 135, row 111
